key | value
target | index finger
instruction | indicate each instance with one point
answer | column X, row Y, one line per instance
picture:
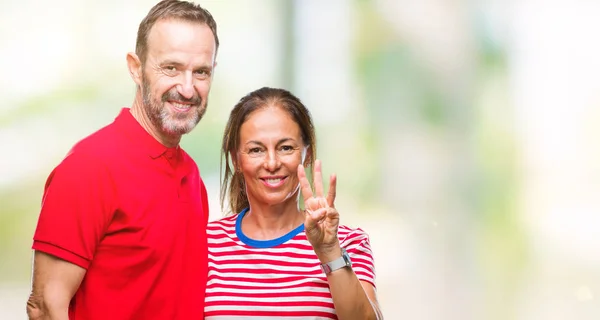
column 304, row 184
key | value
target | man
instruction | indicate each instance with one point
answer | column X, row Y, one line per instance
column 121, row 232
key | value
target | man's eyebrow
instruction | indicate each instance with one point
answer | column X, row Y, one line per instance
column 170, row 63
column 204, row 67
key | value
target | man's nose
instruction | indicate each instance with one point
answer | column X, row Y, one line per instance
column 186, row 86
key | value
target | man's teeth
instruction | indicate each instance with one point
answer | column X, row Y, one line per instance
column 181, row 106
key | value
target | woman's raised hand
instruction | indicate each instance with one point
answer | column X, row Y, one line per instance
column 321, row 218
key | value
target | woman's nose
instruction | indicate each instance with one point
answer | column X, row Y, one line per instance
column 271, row 161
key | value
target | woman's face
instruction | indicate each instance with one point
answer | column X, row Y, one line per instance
column 271, row 148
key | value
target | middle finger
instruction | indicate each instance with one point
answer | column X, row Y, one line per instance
column 318, row 179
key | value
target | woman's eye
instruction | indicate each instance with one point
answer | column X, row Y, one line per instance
column 287, row 149
column 254, row 150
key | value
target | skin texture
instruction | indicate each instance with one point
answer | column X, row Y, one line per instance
column 271, row 146
column 174, row 83
column 171, row 97
column 55, row 281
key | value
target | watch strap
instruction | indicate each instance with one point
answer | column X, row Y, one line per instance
column 341, row 262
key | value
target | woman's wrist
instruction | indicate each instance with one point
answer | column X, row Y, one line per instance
column 328, row 253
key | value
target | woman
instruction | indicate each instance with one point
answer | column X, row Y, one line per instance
column 273, row 259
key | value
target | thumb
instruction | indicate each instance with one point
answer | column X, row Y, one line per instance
column 312, row 218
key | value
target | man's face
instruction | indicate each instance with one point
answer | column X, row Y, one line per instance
column 177, row 75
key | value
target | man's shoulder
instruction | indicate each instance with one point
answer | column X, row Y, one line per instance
column 96, row 141
column 95, row 149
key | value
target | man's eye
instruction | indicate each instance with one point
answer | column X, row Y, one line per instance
column 201, row 74
column 170, row 69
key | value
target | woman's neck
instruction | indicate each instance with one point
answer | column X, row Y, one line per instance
column 267, row 222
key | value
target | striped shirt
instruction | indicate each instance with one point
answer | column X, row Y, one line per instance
column 279, row 278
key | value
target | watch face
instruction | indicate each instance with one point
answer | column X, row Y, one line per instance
column 346, row 258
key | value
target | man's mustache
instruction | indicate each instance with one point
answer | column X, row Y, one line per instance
column 173, row 95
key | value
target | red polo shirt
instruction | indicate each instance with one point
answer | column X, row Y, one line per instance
column 133, row 213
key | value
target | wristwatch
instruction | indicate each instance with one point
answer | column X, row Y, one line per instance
column 341, row 262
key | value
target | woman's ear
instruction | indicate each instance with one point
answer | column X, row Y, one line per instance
column 306, row 157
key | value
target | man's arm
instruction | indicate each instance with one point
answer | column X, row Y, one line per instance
column 54, row 284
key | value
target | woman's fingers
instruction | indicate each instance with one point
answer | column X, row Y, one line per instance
column 331, row 192
column 317, row 199
column 304, row 184
column 321, row 228
column 313, row 217
column 318, row 179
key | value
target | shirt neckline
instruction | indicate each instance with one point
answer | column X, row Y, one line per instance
column 263, row 243
column 135, row 131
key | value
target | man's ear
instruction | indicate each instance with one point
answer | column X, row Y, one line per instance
column 214, row 69
column 135, row 68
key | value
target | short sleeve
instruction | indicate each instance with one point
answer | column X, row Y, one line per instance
column 356, row 242
column 77, row 207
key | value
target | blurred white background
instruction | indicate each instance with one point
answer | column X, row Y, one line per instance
column 464, row 134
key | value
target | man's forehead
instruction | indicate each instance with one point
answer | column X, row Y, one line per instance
column 168, row 34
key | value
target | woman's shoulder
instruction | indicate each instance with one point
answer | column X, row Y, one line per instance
column 344, row 229
column 227, row 222
column 352, row 234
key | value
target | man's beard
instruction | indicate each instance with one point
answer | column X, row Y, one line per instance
column 166, row 120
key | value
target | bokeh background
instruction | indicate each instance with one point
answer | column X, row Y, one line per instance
column 465, row 134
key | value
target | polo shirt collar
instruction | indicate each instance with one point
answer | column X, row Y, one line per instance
column 134, row 130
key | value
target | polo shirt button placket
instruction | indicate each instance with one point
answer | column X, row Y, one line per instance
column 170, row 155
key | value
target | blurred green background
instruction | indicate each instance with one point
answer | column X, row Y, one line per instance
column 463, row 133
